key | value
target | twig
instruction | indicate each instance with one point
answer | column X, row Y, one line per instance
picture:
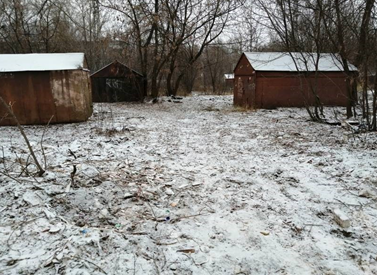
column 24, row 168
column 137, row 233
column 135, row 259
column 2, row 150
column 188, row 255
column 186, row 217
column 21, row 224
column 42, row 149
column 312, row 224
column 138, row 117
column 156, row 266
column 100, row 269
column 18, row 181
column 72, row 154
column 350, row 204
column 154, row 214
column 9, row 176
column 6, row 106
column 73, row 173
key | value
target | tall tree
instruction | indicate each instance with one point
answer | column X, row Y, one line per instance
column 32, row 26
column 163, row 30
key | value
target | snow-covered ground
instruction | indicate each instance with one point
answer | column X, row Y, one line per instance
column 197, row 187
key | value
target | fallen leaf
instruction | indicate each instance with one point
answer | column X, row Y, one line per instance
column 186, row 250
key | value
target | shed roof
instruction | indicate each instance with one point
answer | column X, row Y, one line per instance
column 104, row 73
column 41, row 62
column 295, row 62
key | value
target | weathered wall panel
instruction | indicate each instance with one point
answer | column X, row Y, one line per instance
column 286, row 89
column 36, row 96
column 73, row 96
column 242, row 82
column 292, row 90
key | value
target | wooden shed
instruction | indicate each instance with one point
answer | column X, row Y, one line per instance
column 116, row 83
column 269, row 80
column 41, row 86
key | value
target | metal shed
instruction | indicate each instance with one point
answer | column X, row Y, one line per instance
column 229, row 78
column 269, row 80
column 116, row 83
column 41, row 86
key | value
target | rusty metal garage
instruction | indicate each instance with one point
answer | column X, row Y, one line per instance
column 269, row 80
column 40, row 87
column 117, row 83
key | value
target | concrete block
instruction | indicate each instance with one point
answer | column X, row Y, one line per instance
column 341, row 218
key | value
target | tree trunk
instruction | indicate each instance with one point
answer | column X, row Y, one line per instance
column 342, row 52
column 374, row 104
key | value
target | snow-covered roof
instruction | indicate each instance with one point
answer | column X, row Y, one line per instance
column 41, row 62
column 295, row 61
column 114, row 63
column 229, row 76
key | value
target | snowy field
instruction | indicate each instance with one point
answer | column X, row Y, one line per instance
column 197, row 187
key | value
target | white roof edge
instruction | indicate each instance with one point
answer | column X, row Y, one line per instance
column 34, row 62
column 229, row 76
column 282, row 61
column 104, row 67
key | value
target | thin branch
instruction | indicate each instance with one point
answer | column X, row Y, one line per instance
column 9, row 110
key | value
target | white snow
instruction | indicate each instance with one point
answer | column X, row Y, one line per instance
column 341, row 218
column 295, row 61
column 248, row 192
column 229, row 76
column 41, row 62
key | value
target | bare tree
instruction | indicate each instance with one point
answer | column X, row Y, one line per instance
column 87, row 31
column 140, row 19
column 190, row 23
column 349, row 27
column 31, row 26
column 298, row 27
column 171, row 35
column 217, row 61
column 246, row 30
column 345, row 28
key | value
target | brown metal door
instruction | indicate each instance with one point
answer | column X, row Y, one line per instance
column 240, row 92
column 250, row 91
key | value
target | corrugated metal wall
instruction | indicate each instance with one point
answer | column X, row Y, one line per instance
column 286, row 89
column 36, row 96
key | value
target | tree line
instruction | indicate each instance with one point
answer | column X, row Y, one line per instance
column 181, row 45
column 344, row 27
column 169, row 41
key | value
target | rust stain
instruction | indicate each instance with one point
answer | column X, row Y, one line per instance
column 36, row 96
column 287, row 89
